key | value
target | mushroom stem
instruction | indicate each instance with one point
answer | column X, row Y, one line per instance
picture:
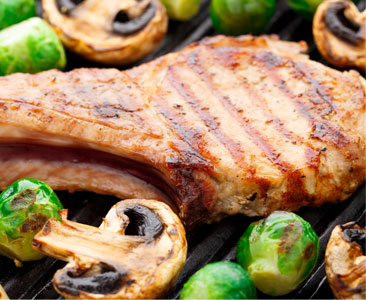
column 61, row 239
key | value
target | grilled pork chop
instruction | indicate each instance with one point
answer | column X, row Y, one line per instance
column 227, row 125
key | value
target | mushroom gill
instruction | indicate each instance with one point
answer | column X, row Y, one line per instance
column 339, row 31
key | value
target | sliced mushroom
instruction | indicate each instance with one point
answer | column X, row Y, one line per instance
column 111, row 32
column 339, row 31
column 137, row 252
column 345, row 261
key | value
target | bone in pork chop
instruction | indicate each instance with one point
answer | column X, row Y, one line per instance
column 227, row 125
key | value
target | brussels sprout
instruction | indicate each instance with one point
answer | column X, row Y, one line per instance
column 306, row 8
column 30, row 46
column 181, row 9
column 220, row 280
column 235, row 17
column 278, row 252
column 25, row 207
column 15, row 11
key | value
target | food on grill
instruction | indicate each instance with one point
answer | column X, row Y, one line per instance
column 30, row 46
column 108, row 32
column 181, row 9
column 339, row 31
column 306, row 8
column 15, row 11
column 228, row 125
column 3, row 295
column 25, row 206
column 235, row 17
column 279, row 252
column 219, row 280
column 345, row 261
column 136, row 253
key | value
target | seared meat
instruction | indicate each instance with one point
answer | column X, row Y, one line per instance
column 225, row 126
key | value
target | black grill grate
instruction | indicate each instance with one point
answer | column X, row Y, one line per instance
column 209, row 242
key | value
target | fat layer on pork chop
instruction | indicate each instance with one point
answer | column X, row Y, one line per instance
column 227, row 125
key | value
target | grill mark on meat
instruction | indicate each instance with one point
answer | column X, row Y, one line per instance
column 319, row 90
column 185, row 92
column 295, row 181
column 328, row 132
column 190, row 144
column 227, row 61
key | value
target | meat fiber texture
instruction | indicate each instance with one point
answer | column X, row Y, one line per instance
column 227, row 125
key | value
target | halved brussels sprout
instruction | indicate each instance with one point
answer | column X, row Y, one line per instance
column 278, row 252
column 25, row 207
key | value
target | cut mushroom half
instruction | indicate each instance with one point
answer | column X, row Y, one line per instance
column 339, row 31
column 137, row 252
column 345, row 261
column 112, row 32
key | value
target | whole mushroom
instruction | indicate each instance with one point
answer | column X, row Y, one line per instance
column 339, row 31
column 111, row 32
column 345, row 261
column 137, row 252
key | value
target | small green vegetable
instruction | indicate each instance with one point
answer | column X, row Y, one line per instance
column 220, row 280
column 15, row 11
column 30, row 46
column 235, row 17
column 306, row 8
column 278, row 252
column 25, row 207
column 181, row 9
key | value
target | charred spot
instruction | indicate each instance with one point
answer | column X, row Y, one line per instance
column 107, row 281
column 309, row 251
column 34, row 223
column 291, row 233
column 355, row 290
column 24, row 199
column 356, row 235
column 338, row 282
column 143, row 221
column 252, row 197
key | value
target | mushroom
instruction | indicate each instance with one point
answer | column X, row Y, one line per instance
column 339, row 31
column 111, row 32
column 137, row 252
column 345, row 261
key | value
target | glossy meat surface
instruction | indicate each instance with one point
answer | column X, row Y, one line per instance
column 232, row 125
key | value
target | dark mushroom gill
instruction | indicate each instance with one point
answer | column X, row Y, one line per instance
column 143, row 221
column 340, row 26
column 124, row 25
column 106, row 281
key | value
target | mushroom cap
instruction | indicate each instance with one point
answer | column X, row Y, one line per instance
column 345, row 264
column 137, row 252
column 344, row 44
column 87, row 29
